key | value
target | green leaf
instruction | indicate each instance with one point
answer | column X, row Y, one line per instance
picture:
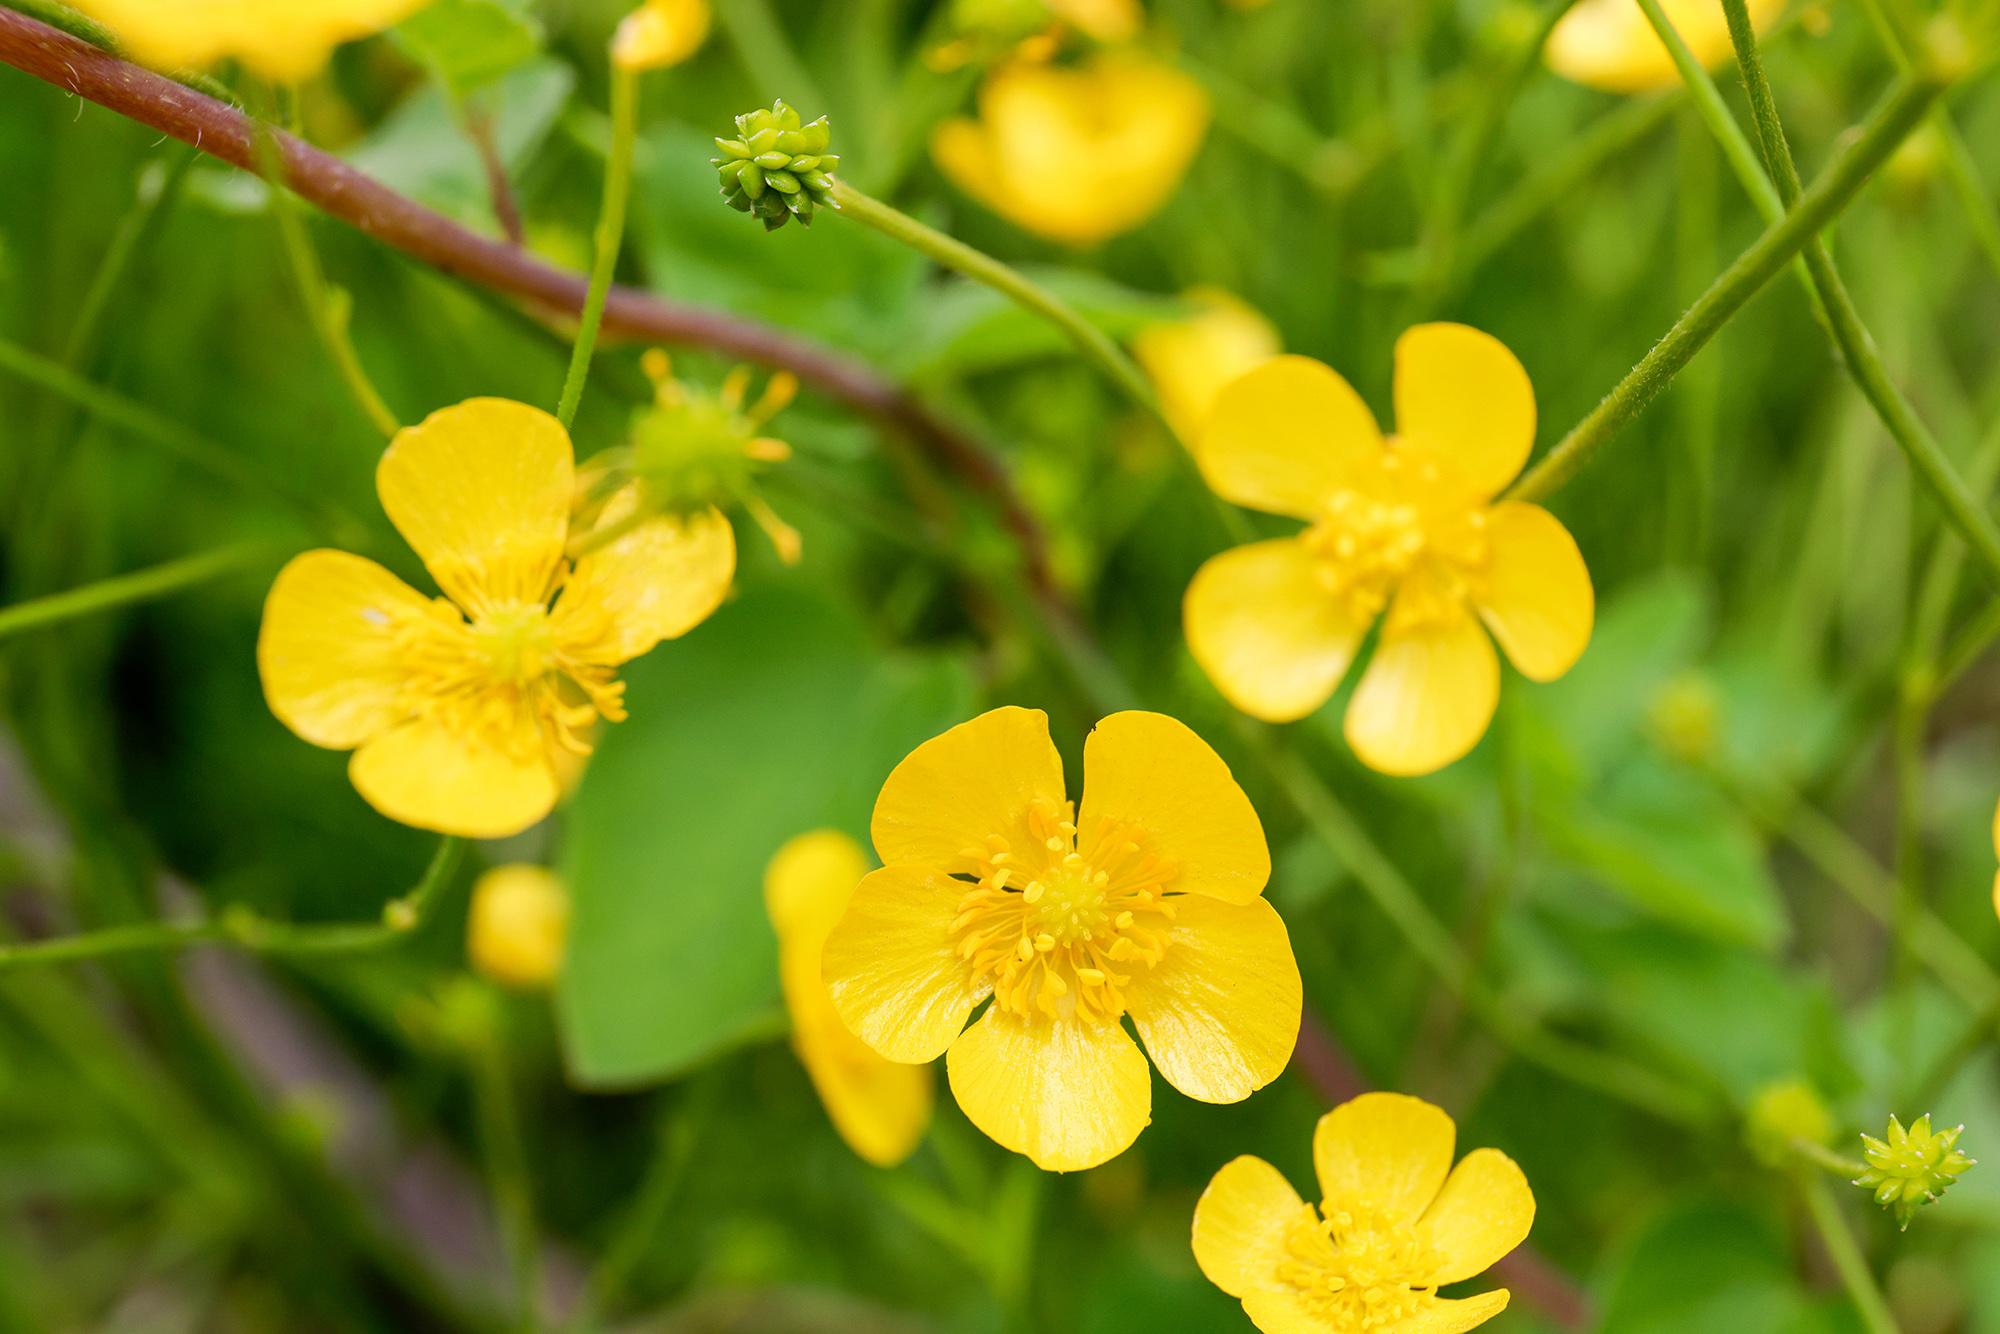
column 778, row 716
column 1711, row 1266
column 470, row 43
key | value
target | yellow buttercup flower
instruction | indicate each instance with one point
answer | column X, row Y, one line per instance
column 286, row 41
column 1192, row 360
column 1403, row 529
column 660, row 33
column 1077, row 154
column 1608, row 44
column 1396, row 1222
column 518, row 926
column 461, row 709
column 879, row 1106
column 1145, row 903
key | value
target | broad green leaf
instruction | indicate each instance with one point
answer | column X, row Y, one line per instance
column 778, row 716
column 471, row 43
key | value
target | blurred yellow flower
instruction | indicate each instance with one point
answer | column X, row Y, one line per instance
column 518, row 926
column 1402, row 529
column 1193, row 359
column 1396, row 1222
column 1996, row 852
column 1608, row 44
column 1077, row 154
column 460, row 709
column 1147, row 903
column 1105, row 20
column 660, row 33
column 879, row 1106
column 287, row 42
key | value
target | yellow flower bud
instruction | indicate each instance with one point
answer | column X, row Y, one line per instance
column 519, row 926
column 660, row 33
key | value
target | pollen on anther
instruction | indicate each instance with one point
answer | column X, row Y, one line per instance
column 1025, row 950
column 1045, row 942
column 1033, row 893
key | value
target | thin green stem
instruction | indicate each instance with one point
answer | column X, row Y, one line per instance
column 767, row 56
column 327, row 310
column 125, row 589
column 645, row 1216
column 1968, row 646
column 1887, row 127
column 155, row 200
column 1972, row 1040
column 1818, row 1155
column 610, row 235
column 1844, row 1250
column 244, row 929
column 507, row 1174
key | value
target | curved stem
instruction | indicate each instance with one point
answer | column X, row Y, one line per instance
column 1845, row 1252
column 1837, row 1164
column 1886, row 128
column 125, row 589
column 610, row 235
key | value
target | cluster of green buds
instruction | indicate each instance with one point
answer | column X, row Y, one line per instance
column 693, row 448
column 1908, row 1169
column 776, row 168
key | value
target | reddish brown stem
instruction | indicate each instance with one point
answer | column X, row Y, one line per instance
column 224, row 132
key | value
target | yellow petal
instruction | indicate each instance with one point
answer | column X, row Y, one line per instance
column 1266, row 630
column 1285, row 436
column 880, row 1107
column 1192, row 360
column 809, row 882
column 1609, row 45
column 286, row 42
column 1151, row 773
column 660, row 33
column 327, row 649
column 1069, row 1095
column 482, row 492
column 1280, row 1311
column 1537, row 599
column 1426, row 697
column 1446, row 1316
column 425, row 774
column 1463, row 397
column 656, row 582
column 518, row 925
column 889, row 963
column 980, row 779
column 1386, row 1152
column 1220, row 1013
column 1484, row 1211
column 1240, row 1224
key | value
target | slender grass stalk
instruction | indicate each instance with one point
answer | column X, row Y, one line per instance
column 1844, row 1250
column 610, row 235
column 1972, row 1040
column 766, row 54
column 124, row 590
column 326, row 310
column 507, row 1174
column 247, row 930
column 1968, row 646
column 1891, row 122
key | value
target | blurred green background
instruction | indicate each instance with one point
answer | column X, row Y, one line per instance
column 1664, row 854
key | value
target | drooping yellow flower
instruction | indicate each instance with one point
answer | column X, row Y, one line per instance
column 1396, row 1221
column 1609, row 45
column 459, row 709
column 1192, row 360
column 1404, row 529
column 879, row 1106
column 1077, row 154
column 518, row 926
column 286, row 41
column 1145, row 903
column 660, row 33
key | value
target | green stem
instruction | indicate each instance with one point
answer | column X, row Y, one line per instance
column 154, row 205
column 610, row 235
column 243, row 929
column 1834, row 306
column 507, row 1175
column 1887, row 127
column 1971, row 1041
column 1845, row 1251
column 1968, row 646
column 760, row 44
column 646, row 1215
column 326, row 310
column 1818, row 1155
column 125, row 589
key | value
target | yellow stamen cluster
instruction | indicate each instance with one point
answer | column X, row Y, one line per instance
column 1061, row 927
column 1400, row 519
column 1358, row 1270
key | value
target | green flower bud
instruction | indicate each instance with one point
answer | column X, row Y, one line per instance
column 1785, row 1114
column 1912, row 1167
column 776, row 168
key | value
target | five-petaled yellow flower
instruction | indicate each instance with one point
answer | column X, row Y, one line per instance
column 286, row 41
column 1396, row 1222
column 1147, row 902
column 1191, row 360
column 518, row 927
column 1404, row 529
column 464, row 711
column 1079, row 153
column 879, row 1106
column 1608, row 44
